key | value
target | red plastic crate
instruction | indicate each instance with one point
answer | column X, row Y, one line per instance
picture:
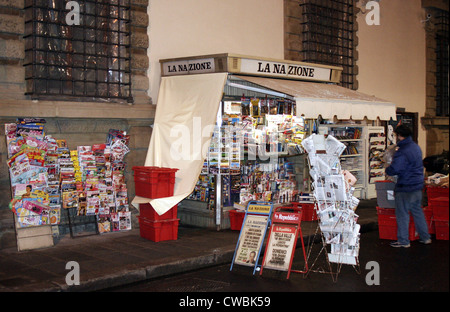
column 148, row 212
column 308, row 211
column 437, row 191
column 441, row 229
column 236, row 219
column 158, row 231
column 387, row 225
column 440, row 208
column 428, row 212
column 154, row 182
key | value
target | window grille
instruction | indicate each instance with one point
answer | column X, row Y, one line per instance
column 89, row 61
column 442, row 64
column 328, row 35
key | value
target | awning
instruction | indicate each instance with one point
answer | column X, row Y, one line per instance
column 185, row 116
column 328, row 100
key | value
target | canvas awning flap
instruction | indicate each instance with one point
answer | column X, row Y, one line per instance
column 328, row 100
column 184, row 121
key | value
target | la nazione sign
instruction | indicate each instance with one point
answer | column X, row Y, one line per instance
column 246, row 65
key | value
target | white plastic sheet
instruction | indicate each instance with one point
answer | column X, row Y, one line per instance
column 184, row 120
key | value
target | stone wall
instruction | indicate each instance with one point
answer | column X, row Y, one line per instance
column 12, row 50
column 80, row 123
column 437, row 127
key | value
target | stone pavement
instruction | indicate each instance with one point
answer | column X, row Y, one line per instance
column 115, row 259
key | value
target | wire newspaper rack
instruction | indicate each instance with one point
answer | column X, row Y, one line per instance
column 337, row 227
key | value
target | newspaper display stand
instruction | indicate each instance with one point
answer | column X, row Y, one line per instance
column 253, row 232
column 335, row 204
column 284, row 230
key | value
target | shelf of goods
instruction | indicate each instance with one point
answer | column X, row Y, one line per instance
column 376, row 148
column 353, row 159
column 255, row 152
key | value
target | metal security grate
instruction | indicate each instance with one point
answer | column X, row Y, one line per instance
column 89, row 60
column 328, row 35
column 442, row 65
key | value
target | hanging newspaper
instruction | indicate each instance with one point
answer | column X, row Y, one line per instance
column 333, row 193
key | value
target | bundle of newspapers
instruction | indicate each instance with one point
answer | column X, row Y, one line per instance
column 333, row 193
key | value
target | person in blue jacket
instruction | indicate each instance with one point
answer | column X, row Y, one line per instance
column 407, row 165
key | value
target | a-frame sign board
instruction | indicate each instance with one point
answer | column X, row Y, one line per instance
column 283, row 234
column 253, row 232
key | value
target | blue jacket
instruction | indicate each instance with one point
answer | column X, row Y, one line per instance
column 407, row 164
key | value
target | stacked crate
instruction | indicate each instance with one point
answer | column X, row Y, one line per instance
column 308, row 210
column 152, row 183
column 387, row 221
column 236, row 219
column 306, row 203
column 438, row 200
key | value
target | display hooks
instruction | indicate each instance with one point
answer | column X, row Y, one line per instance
column 334, row 203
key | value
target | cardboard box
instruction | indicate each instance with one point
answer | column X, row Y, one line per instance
column 34, row 237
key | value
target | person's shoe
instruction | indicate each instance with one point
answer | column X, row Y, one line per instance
column 426, row 242
column 398, row 244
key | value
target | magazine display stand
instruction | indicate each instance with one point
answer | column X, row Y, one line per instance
column 253, row 232
column 376, row 149
column 354, row 157
column 47, row 178
column 335, row 204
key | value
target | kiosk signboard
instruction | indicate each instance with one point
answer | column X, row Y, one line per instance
column 282, row 240
column 249, row 65
column 253, row 232
column 280, row 247
column 252, row 235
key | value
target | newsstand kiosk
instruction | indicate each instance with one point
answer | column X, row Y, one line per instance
column 215, row 112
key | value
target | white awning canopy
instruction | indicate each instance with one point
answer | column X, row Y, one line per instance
column 184, row 121
column 328, row 100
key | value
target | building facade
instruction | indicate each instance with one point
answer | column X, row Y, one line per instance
column 389, row 49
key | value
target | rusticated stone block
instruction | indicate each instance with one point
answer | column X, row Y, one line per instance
column 12, row 24
column 143, row 3
column 139, row 18
column 139, row 40
column 139, row 82
column 139, row 61
column 17, row 4
column 12, row 73
column 12, row 49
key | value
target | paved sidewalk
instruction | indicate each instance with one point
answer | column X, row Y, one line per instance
column 116, row 259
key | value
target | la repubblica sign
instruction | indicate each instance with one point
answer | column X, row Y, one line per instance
column 247, row 65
